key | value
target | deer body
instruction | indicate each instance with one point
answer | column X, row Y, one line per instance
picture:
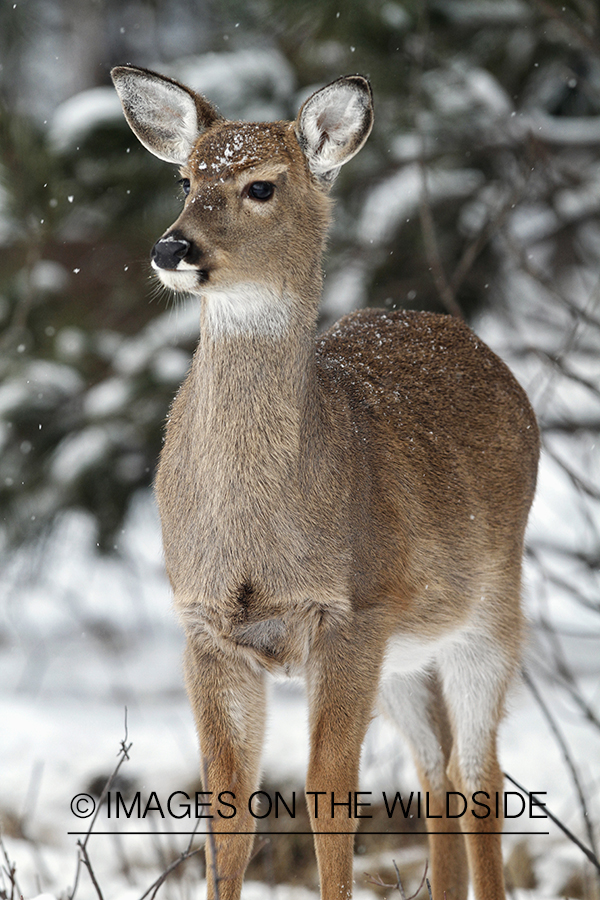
column 350, row 509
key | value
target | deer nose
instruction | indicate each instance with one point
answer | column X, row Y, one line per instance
column 169, row 251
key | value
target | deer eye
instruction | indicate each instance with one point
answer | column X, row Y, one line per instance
column 185, row 185
column 261, row 190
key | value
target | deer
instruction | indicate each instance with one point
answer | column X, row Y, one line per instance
column 348, row 507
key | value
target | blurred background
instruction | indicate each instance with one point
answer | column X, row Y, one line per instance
column 478, row 194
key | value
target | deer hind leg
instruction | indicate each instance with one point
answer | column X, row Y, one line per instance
column 228, row 700
column 476, row 672
column 415, row 704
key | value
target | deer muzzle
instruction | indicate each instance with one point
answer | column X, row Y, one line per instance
column 169, row 251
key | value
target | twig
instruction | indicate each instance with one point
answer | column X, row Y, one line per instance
column 11, row 870
column 152, row 891
column 580, row 315
column 423, row 879
column 398, row 881
column 591, row 856
column 579, row 481
column 88, row 864
column 31, row 798
column 567, row 758
column 565, row 370
column 81, row 857
column 565, row 678
column 123, row 861
column 380, row 883
column 488, row 231
column 432, row 252
column 591, row 560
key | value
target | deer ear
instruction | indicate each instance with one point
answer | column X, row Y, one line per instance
column 334, row 123
column 165, row 116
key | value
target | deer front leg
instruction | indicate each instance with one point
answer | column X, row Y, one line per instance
column 228, row 700
column 342, row 685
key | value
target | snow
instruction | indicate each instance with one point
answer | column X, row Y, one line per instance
column 397, row 198
column 42, row 374
column 345, row 289
column 107, row 398
column 530, row 224
column 583, row 200
column 473, row 12
column 70, row 343
column 170, row 365
column 37, row 379
column 48, row 275
column 79, row 115
column 79, row 451
column 561, row 130
column 462, row 89
column 7, row 227
column 395, row 16
column 180, row 324
column 12, row 395
column 234, row 81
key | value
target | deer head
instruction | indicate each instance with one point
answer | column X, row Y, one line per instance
column 256, row 195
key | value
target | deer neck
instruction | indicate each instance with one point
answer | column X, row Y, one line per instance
column 246, row 460
column 254, row 378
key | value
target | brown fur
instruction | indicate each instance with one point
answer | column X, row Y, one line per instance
column 324, row 501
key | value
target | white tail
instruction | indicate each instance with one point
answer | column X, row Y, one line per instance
column 350, row 508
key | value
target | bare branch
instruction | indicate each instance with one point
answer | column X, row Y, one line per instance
column 10, row 868
column 564, row 369
column 590, row 560
column 152, row 891
column 377, row 880
column 591, row 856
column 473, row 250
column 87, row 863
column 578, row 480
column 399, row 882
column 445, row 291
column 562, row 674
column 568, row 761
column 123, row 755
column 432, row 253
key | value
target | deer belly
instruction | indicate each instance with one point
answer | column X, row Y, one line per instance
column 277, row 640
column 411, row 653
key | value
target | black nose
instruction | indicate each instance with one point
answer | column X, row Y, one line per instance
column 169, row 251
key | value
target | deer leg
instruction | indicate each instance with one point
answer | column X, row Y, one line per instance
column 415, row 704
column 228, row 700
column 476, row 673
column 342, row 685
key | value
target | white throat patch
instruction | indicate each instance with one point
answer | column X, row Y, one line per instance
column 246, row 309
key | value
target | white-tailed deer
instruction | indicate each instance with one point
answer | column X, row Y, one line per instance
column 350, row 508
